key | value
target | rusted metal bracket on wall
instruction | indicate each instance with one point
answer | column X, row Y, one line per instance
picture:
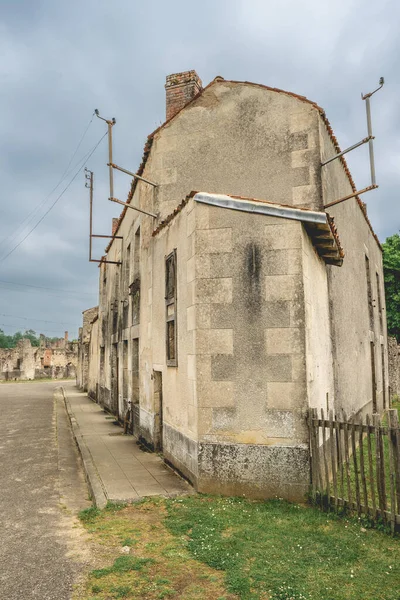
column 133, row 207
column 369, row 139
column 353, row 195
column 149, row 214
column 111, row 166
column 132, row 174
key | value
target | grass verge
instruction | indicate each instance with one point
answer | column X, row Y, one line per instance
column 225, row 548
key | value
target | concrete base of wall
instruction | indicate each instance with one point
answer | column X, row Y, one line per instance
column 135, row 420
column 181, row 452
column 104, row 397
column 254, row 471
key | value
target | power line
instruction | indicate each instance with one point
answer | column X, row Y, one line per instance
column 28, row 218
column 42, row 320
column 77, row 148
column 47, row 288
column 54, row 203
column 40, row 293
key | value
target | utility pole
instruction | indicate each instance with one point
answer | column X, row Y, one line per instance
column 110, row 124
column 112, row 166
column 89, row 184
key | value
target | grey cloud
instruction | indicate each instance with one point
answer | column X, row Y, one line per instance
column 62, row 60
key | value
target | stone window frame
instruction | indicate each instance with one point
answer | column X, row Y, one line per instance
column 171, row 309
column 379, row 295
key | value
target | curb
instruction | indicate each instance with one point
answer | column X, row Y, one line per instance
column 93, row 480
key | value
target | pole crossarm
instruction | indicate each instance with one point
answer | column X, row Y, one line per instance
column 114, row 237
column 358, row 193
column 108, row 262
column 132, row 174
column 149, row 214
column 364, row 141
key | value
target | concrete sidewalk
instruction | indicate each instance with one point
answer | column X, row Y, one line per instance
column 116, row 468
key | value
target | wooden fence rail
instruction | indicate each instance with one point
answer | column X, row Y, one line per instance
column 355, row 463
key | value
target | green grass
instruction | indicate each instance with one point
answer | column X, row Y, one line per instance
column 123, row 564
column 283, row 551
column 212, row 548
column 158, row 565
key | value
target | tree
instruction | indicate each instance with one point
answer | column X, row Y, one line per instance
column 10, row 341
column 391, row 268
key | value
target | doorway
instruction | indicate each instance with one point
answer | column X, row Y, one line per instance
column 158, row 412
column 114, row 379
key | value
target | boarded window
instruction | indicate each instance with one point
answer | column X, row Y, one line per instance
column 134, row 290
column 171, row 340
column 378, row 287
column 369, row 294
column 170, row 306
column 127, row 269
column 102, row 362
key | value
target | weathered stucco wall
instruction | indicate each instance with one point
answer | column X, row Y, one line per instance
column 239, row 139
column 250, row 354
column 352, row 333
column 320, row 382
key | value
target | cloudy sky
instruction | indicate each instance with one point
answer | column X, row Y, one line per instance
column 60, row 60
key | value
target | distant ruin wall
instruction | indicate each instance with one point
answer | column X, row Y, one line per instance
column 394, row 366
column 27, row 362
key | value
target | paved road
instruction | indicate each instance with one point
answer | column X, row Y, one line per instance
column 41, row 487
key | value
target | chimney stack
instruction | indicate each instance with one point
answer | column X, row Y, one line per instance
column 66, row 337
column 180, row 89
column 114, row 226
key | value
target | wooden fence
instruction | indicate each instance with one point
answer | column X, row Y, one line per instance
column 355, row 464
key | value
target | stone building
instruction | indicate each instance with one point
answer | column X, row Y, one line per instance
column 56, row 360
column 246, row 302
column 87, row 346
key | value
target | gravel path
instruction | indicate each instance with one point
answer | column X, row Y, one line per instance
column 42, row 549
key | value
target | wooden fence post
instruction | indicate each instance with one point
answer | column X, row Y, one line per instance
column 362, row 466
column 380, row 465
column 371, row 468
column 392, row 414
column 332, row 441
column 347, row 459
column 354, row 452
column 327, row 487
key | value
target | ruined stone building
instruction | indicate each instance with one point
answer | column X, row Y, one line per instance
column 56, row 360
column 248, row 299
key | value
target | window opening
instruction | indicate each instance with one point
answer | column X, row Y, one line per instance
column 170, row 304
column 369, row 294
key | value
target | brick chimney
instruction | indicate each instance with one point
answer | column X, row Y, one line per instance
column 66, row 337
column 114, row 225
column 181, row 88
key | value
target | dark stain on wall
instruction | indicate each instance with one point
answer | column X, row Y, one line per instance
column 252, row 278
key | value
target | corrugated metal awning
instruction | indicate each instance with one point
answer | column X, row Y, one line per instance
column 319, row 225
